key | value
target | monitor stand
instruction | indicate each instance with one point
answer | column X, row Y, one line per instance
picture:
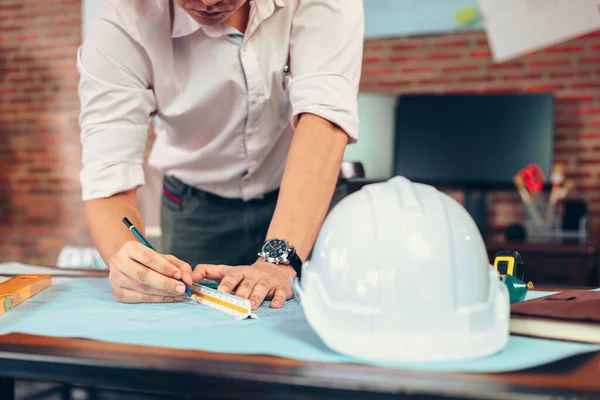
column 476, row 205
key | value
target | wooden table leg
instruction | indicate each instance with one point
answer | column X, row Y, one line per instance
column 7, row 388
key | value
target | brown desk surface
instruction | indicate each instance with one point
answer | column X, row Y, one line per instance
column 195, row 373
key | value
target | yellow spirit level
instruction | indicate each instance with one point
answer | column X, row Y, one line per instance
column 20, row 288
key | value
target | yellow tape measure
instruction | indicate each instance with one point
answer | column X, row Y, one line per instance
column 509, row 263
column 230, row 304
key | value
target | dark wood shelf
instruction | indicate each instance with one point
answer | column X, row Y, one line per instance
column 554, row 262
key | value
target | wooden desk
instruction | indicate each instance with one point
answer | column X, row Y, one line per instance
column 208, row 375
column 197, row 374
column 556, row 263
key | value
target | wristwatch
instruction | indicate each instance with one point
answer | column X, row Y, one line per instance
column 278, row 251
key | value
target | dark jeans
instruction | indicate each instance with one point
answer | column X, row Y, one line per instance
column 202, row 228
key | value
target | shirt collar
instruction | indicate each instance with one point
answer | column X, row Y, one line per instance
column 184, row 24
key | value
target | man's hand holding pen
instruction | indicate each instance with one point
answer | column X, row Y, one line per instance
column 139, row 274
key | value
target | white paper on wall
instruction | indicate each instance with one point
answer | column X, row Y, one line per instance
column 517, row 27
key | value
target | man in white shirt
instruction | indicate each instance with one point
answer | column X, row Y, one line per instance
column 256, row 102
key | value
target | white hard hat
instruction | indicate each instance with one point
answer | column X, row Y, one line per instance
column 400, row 272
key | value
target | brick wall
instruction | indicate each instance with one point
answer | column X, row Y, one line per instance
column 462, row 63
column 40, row 206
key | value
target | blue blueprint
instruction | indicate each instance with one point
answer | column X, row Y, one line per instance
column 86, row 308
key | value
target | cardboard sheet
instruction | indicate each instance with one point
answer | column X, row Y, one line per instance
column 86, row 308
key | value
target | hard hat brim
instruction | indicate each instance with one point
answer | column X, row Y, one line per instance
column 481, row 332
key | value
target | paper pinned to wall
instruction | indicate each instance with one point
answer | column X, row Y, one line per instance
column 518, row 27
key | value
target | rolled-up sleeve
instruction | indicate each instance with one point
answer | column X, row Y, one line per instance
column 326, row 51
column 117, row 102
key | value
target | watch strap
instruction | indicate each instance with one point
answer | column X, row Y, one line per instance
column 296, row 263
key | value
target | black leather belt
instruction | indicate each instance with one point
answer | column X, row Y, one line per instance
column 177, row 188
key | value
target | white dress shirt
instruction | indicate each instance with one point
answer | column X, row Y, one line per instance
column 227, row 109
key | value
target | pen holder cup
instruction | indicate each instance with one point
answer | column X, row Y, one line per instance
column 544, row 223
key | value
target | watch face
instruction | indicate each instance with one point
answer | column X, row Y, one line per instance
column 276, row 249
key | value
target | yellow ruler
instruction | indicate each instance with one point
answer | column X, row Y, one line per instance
column 230, row 304
column 20, row 288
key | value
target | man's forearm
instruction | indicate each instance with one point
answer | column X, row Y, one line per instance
column 309, row 180
column 104, row 219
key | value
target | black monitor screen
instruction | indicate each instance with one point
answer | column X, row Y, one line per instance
column 471, row 139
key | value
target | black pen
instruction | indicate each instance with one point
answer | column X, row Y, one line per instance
column 146, row 243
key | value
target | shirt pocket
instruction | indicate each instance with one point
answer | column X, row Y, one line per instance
column 173, row 201
column 176, row 198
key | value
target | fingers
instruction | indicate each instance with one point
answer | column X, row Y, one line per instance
column 279, row 298
column 209, row 271
column 184, row 267
column 137, row 268
column 151, row 278
column 131, row 296
column 245, row 287
column 151, row 259
column 261, row 290
column 231, row 279
column 120, row 280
